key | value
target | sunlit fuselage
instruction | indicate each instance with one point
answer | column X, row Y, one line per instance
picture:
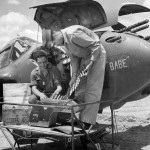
column 127, row 66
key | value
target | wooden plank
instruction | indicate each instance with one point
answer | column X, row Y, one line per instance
column 18, row 100
column 52, row 131
column 66, row 129
column 47, row 131
column 15, row 89
column 16, row 92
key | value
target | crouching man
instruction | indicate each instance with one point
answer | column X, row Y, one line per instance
column 45, row 79
column 45, row 83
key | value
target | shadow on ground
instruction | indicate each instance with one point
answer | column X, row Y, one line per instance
column 134, row 138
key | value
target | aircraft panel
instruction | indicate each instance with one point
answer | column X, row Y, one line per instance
column 57, row 16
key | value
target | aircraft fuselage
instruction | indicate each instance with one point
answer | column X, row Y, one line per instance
column 127, row 66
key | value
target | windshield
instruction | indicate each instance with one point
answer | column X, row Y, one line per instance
column 18, row 49
column 4, row 57
column 12, row 53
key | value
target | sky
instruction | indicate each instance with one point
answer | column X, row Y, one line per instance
column 17, row 19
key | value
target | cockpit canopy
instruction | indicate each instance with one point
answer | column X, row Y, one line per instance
column 14, row 50
column 93, row 14
column 60, row 15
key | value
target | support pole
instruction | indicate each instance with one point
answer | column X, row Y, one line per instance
column 72, row 125
column 112, row 124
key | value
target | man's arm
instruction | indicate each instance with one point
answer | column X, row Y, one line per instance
column 74, row 68
column 36, row 92
column 57, row 91
column 33, row 85
column 57, row 82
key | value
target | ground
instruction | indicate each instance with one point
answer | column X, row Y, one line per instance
column 132, row 127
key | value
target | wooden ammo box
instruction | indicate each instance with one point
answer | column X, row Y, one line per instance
column 16, row 115
column 13, row 114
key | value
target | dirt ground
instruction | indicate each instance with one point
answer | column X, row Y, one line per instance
column 132, row 128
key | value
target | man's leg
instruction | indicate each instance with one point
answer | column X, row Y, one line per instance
column 93, row 90
column 39, row 110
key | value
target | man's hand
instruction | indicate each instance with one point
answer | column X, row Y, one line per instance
column 42, row 96
column 73, row 79
column 56, row 92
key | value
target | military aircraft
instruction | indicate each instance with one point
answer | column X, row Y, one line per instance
column 128, row 54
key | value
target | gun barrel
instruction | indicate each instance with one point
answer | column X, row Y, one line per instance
column 133, row 26
column 139, row 28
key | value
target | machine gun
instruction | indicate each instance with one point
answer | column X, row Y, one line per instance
column 139, row 28
column 133, row 29
column 140, row 25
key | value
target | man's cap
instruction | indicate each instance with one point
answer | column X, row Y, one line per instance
column 38, row 53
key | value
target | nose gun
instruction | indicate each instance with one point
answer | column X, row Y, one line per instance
column 135, row 27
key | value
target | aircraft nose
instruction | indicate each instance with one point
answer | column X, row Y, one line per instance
column 144, row 53
column 7, row 75
column 6, row 78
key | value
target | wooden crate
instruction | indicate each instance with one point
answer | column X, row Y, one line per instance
column 16, row 93
column 15, row 116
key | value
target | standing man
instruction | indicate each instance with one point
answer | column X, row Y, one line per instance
column 85, row 50
column 45, row 79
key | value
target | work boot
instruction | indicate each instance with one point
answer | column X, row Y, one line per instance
column 86, row 126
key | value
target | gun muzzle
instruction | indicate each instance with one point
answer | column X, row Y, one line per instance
column 129, row 28
column 139, row 28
